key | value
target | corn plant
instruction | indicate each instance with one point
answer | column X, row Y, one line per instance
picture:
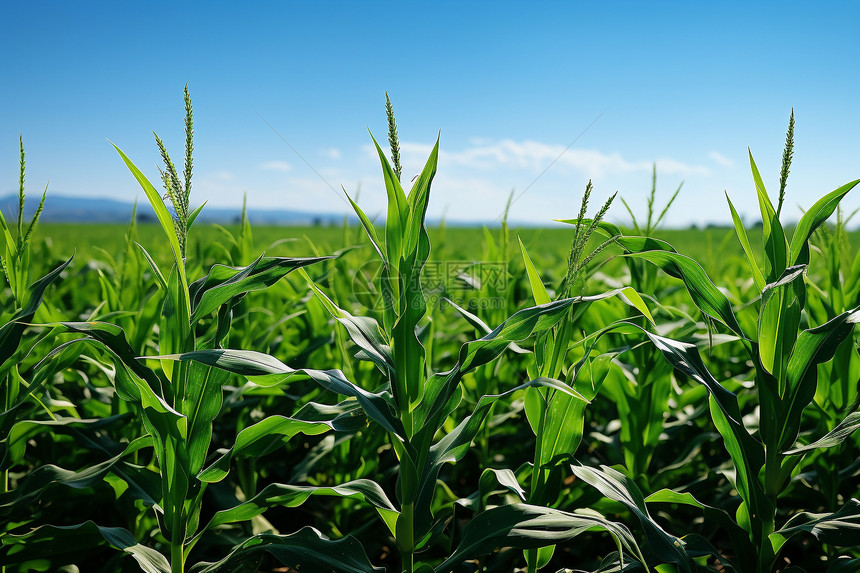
column 178, row 402
column 785, row 358
column 17, row 313
column 412, row 406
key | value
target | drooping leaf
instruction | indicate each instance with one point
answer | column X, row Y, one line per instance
column 843, row 430
column 286, row 495
column 616, row 486
column 306, row 549
column 841, row 528
column 62, row 545
column 527, row 526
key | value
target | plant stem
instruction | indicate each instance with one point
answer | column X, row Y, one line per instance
column 407, row 539
column 177, row 557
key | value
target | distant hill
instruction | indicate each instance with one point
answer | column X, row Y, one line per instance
column 65, row 209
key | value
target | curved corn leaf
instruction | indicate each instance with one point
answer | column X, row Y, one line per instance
column 164, row 218
column 706, row 296
column 456, row 443
column 538, row 289
column 481, row 326
column 741, row 233
column 775, row 245
column 156, row 272
column 285, row 495
column 812, row 219
column 378, row 407
column 441, row 387
column 743, row 547
column 833, row 438
column 746, row 452
column 24, row 430
column 814, row 346
column 616, row 486
column 527, row 526
column 62, row 545
column 223, row 283
column 273, row 431
column 36, row 482
column 306, row 549
column 841, row 528
column 363, row 331
column 10, row 333
column 369, row 229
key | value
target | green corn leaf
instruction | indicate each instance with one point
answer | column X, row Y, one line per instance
column 378, row 407
column 441, row 387
column 775, row 245
column 741, row 233
column 224, row 283
column 273, row 431
column 814, row 346
column 616, row 486
column 841, row 528
column 504, row 478
column 113, row 338
column 456, row 443
column 284, row 495
column 607, row 229
column 707, row 297
column 779, row 318
column 163, row 216
column 156, row 272
column 417, row 201
column 61, row 545
column 745, row 551
column 836, row 436
column 746, row 452
column 201, row 404
column 538, row 289
column 369, row 229
column 407, row 385
column 480, row 325
column 398, row 210
column 529, row 527
column 363, row 331
column 24, row 430
column 812, row 219
column 306, row 549
column 10, row 333
column 34, row 485
column 193, row 215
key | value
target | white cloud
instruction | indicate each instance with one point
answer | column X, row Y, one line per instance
column 223, row 176
column 276, row 166
column 332, row 153
column 536, row 156
column 721, row 159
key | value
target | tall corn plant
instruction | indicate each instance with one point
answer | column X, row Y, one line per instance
column 555, row 417
column 16, row 395
column 642, row 399
column 412, row 405
column 785, row 358
column 178, row 402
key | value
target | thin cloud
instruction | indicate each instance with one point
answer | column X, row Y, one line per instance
column 535, row 156
column 332, row 153
column 721, row 159
column 276, row 166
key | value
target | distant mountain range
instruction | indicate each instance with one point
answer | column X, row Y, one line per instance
column 66, row 209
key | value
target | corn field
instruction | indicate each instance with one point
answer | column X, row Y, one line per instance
column 613, row 404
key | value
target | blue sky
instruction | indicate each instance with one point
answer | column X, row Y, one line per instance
column 687, row 85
